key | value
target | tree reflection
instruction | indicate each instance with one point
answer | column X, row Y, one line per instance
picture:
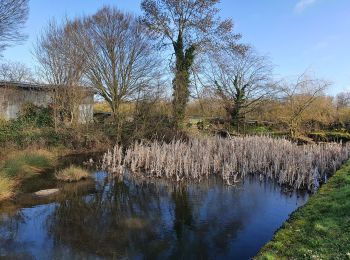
column 131, row 218
column 119, row 219
column 134, row 218
column 9, row 225
column 183, row 210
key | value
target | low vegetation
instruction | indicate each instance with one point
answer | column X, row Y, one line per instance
column 20, row 166
column 35, row 128
column 320, row 229
column 72, row 174
column 25, row 164
column 6, row 188
column 231, row 159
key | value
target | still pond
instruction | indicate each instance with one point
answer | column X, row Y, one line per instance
column 124, row 218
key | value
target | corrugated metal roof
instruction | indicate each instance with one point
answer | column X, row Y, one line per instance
column 25, row 85
column 34, row 86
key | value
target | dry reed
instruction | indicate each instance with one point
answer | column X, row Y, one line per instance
column 231, row 159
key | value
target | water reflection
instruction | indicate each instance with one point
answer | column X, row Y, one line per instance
column 142, row 219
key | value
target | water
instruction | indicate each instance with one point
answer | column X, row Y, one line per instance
column 113, row 219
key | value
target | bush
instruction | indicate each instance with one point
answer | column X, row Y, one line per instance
column 72, row 174
column 36, row 116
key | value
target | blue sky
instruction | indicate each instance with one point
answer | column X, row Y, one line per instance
column 297, row 35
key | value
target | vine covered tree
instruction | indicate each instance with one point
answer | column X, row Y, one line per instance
column 241, row 82
column 13, row 15
column 189, row 27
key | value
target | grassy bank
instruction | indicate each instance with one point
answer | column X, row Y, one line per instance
column 20, row 166
column 320, row 229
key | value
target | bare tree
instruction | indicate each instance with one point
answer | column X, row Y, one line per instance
column 241, row 81
column 120, row 58
column 15, row 71
column 188, row 26
column 298, row 97
column 343, row 100
column 13, row 15
column 61, row 64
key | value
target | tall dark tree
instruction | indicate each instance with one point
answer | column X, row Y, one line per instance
column 13, row 15
column 188, row 26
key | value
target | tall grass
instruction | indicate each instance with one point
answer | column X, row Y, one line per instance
column 6, row 188
column 25, row 164
column 72, row 174
column 22, row 165
column 231, row 159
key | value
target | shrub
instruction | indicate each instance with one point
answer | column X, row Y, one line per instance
column 36, row 116
column 72, row 174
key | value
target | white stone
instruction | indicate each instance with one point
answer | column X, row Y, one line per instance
column 46, row 192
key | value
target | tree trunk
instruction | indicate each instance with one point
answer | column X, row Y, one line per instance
column 238, row 102
column 235, row 114
column 184, row 60
column 116, row 118
column 293, row 128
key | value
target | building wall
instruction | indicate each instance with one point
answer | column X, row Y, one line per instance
column 86, row 109
column 13, row 99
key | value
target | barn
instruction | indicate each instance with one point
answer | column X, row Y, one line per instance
column 14, row 95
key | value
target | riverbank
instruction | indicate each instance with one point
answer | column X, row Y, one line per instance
column 20, row 166
column 33, row 170
column 320, row 229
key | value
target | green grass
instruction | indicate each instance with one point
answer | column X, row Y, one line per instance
column 20, row 167
column 320, row 229
column 72, row 174
column 25, row 164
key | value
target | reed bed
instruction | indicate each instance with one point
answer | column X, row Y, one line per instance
column 231, row 159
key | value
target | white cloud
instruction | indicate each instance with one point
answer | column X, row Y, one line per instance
column 303, row 4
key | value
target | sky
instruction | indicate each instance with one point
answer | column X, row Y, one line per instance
column 297, row 35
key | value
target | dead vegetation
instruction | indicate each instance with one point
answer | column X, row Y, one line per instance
column 231, row 159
